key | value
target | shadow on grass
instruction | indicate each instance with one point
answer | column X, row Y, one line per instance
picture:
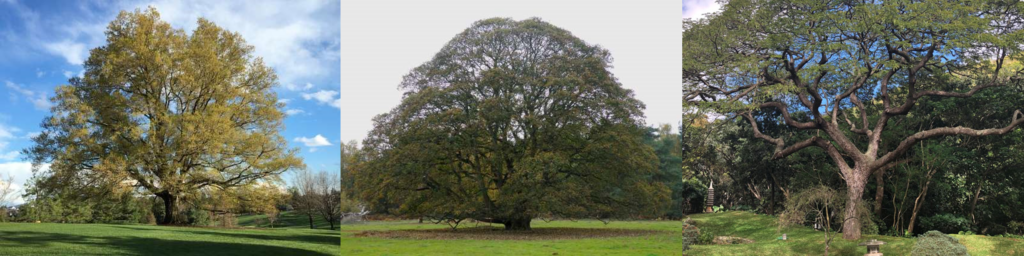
column 327, row 238
column 147, row 246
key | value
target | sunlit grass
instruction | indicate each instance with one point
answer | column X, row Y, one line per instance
column 667, row 242
column 106, row 239
column 763, row 229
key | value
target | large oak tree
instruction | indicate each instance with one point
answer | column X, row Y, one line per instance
column 165, row 111
column 512, row 120
column 843, row 71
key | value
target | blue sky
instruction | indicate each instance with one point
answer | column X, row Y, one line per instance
column 43, row 43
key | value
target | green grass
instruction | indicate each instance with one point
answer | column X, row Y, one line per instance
column 666, row 243
column 286, row 220
column 806, row 241
column 107, row 239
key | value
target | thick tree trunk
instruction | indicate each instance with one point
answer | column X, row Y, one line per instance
column 170, row 207
column 851, row 220
column 517, row 223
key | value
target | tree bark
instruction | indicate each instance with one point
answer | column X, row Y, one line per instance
column 918, row 201
column 522, row 223
column 879, row 192
column 310, row 221
column 851, row 220
column 974, row 201
column 170, row 207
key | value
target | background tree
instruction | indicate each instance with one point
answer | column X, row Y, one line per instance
column 509, row 121
column 827, row 59
column 665, row 143
column 327, row 198
column 303, row 194
column 171, row 112
column 7, row 193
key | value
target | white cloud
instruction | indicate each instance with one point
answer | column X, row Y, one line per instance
column 40, row 74
column 7, row 133
column 38, row 99
column 21, row 171
column 9, row 156
column 294, row 37
column 17, row 88
column 316, row 141
column 285, row 101
column 293, row 87
column 324, row 97
column 32, row 135
column 73, row 52
column 68, row 74
column 292, row 112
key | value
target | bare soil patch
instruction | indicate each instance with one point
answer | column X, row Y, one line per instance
column 492, row 233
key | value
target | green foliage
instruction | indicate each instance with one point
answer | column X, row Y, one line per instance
column 690, row 234
column 198, row 217
column 172, row 112
column 860, row 81
column 509, row 121
column 945, row 223
column 938, row 244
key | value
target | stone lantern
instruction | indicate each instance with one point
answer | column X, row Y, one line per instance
column 711, row 198
column 873, row 247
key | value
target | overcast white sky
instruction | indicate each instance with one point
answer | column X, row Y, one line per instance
column 383, row 40
column 697, row 8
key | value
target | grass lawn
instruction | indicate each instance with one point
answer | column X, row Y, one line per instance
column 107, row 239
column 665, row 241
column 285, row 220
column 806, row 241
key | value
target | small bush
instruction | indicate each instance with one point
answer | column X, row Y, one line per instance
column 690, row 234
column 1015, row 227
column 938, row 244
column 197, row 217
column 946, row 223
column 706, row 237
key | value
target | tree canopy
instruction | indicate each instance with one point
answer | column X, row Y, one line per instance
column 164, row 111
column 512, row 120
column 841, row 74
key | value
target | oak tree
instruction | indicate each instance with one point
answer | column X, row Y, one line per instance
column 512, row 120
column 166, row 111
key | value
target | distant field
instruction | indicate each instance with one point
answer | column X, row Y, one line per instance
column 286, row 220
column 663, row 239
column 105, row 239
column 807, row 241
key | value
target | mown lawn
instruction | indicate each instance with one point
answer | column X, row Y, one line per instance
column 666, row 241
column 285, row 220
column 106, row 239
column 806, row 241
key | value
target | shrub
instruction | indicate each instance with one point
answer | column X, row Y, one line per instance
column 946, row 223
column 938, row 244
column 1015, row 227
column 197, row 217
column 690, row 234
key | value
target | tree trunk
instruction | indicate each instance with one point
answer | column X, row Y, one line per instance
column 522, row 223
column 974, row 201
column 879, row 192
column 851, row 220
column 310, row 221
column 170, row 207
column 917, row 204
